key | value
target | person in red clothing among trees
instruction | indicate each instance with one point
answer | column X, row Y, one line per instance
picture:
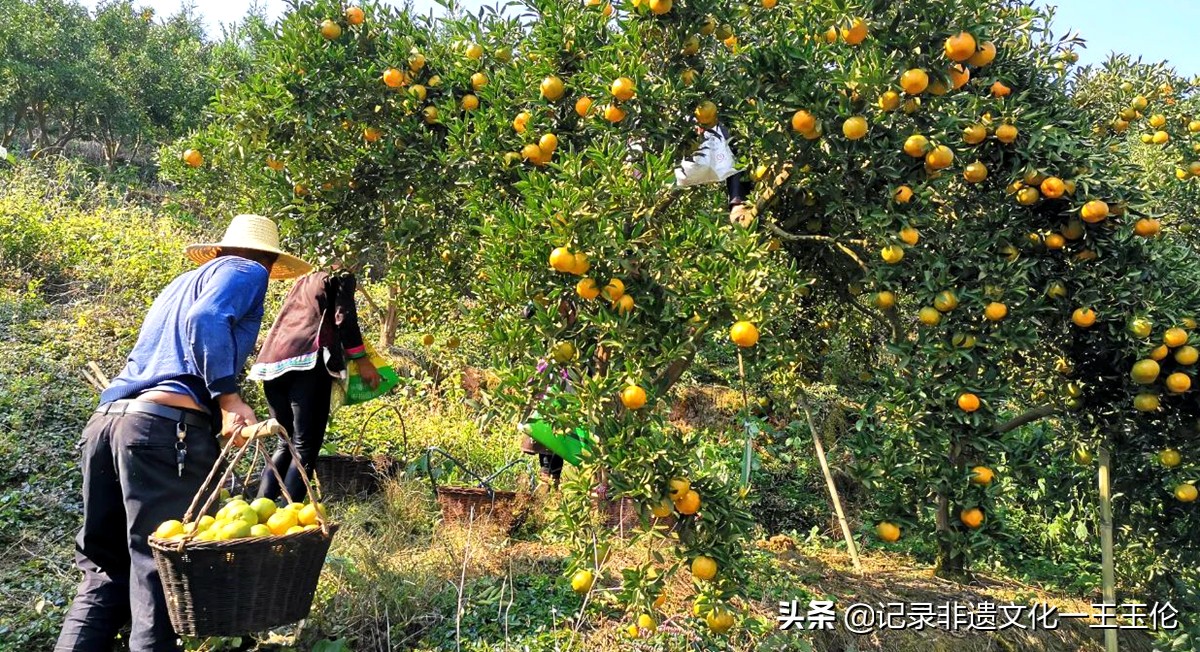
column 314, row 337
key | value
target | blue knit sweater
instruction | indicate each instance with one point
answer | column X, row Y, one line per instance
column 198, row 333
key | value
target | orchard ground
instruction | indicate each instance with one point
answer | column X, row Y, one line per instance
column 396, row 573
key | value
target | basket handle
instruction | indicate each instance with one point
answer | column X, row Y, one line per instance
column 252, row 435
column 399, row 417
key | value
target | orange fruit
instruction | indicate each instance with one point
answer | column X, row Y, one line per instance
column 677, row 487
column 704, row 568
column 1146, row 227
column 974, row 134
column 903, row 195
column 981, row 475
column 548, row 143
column 623, row 89
column 1160, row 353
column 914, row 81
column 940, row 158
column 1084, row 317
column 960, row 47
column 614, row 113
column 1144, row 372
column 393, row 78
column 1187, row 355
column 892, row 254
column 1055, row 241
column 888, row 532
column 706, row 113
column 688, row 503
column 929, row 316
column 915, row 145
column 633, row 397
column 580, row 264
column 721, row 621
column 193, row 158
column 855, row 127
column 1186, row 492
column 355, row 16
column 532, row 153
column 1175, row 337
column 744, row 334
column 1000, row 90
column 624, row 305
column 418, row 91
column 1145, row 402
column 561, row 258
column 521, row 122
column 1053, row 187
column 274, row 163
column 1170, row 458
column 474, row 51
column 885, row 300
column 984, row 55
column 614, row 290
column 857, row 32
column 1006, row 133
column 1179, row 382
column 478, row 81
column 582, row 106
column 975, row 172
column 1094, row 211
column 945, row 301
column 968, row 402
column 330, row 30
column 889, row 101
column 660, row 7
column 995, row 311
column 587, row 289
column 803, row 122
column 582, row 581
column 372, row 134
column 552, row 88
column 959, row 76
column 972, row 518
column 431, row 115
column 1072, row 230
column 909, row 235
column 662, row 509
column 469, row 102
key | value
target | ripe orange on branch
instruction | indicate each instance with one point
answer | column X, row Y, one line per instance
column 888, row 532
column 623, row 89
column 972, row 518
column 968, row 402
column 552, row 88
column 981, row 475
column 1084, row 317
column 633, row 397
column 914, row 81
column 960, row 47
column 744, row 334
column 704, row 568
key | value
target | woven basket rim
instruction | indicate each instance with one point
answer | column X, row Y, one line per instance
column 172, row 545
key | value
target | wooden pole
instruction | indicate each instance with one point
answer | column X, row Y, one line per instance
column 833, row 492
column 748, row 450
column 1107, row 572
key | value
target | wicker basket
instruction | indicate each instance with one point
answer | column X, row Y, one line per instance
column 341, row 476
column 232, row 588
column 462, row 504
column 240, row 586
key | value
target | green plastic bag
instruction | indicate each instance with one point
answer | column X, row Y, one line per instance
column 569, row 446
column 358, row 391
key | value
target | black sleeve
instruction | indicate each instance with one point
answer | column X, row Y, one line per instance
column 345, row 317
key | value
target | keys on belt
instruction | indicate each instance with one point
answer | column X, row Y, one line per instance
column 183, row 419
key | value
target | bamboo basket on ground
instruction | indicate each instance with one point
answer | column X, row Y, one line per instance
column 355, row 474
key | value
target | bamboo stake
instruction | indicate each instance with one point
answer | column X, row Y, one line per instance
column 1107, row 572
column 748, row 451
column 833, row 492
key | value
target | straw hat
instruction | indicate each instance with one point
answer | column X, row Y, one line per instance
column 252, row 232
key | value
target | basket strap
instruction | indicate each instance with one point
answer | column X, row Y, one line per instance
column 363, row 431
column 214, row 490
column 312, row 492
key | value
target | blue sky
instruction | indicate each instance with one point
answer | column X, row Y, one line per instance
column 1156, row 30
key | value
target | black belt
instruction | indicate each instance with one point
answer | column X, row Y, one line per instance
column 178, row 415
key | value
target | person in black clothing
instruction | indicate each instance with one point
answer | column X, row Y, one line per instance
column 312, row 340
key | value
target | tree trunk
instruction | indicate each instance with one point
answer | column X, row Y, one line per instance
column 950, row 566
column 1107, row 572
column 390, row 319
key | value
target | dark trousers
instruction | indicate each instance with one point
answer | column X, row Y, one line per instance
column 299, row 401
column 131, row 484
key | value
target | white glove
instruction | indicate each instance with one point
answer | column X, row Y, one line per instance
column 712, row 163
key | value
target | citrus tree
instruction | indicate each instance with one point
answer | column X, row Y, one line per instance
column 332, row 126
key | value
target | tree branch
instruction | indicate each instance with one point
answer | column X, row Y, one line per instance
column 1036, row 414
